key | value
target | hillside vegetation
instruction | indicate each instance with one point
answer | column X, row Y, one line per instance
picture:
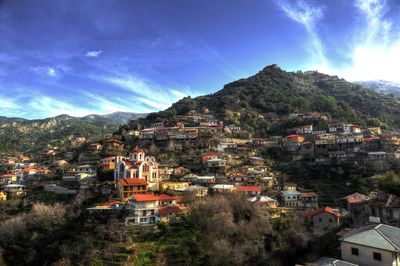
column 274, row 90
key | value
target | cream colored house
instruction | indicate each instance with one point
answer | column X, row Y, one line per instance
column 179, row 186
column 373, row 245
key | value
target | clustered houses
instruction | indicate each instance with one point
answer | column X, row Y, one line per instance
column 144, row 192
column 19, row 175
column 189, row 130
column 337, row 142
column 24, row 173
column 184, row 130
column 151, row 193
column 377, row 206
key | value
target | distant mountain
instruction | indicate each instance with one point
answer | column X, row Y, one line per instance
column 382, row 86
column 124, row 117
column 4, row 119
column 273, row 90
column 23, row 135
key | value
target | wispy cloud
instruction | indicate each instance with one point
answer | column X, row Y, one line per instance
column 93, row 53
column 51, row 71
column 39, row 105
column 308, row 16
column 150, row 94
column 374, row 46
column 45, row 70
column 377, row 26
column 104, row 105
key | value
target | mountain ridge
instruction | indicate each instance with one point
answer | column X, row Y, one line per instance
column 273, row 90
column 382, row 86
column 31, row 136
column 121, row 117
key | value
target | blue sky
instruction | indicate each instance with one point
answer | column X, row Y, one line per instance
column 81, row 57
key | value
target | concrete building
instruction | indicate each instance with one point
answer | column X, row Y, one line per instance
column 373, row 245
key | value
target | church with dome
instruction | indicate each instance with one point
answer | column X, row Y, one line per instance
column 137, row 165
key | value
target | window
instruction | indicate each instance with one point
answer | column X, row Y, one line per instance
column 354, row 251
column 377, row 256
column 319, row 220
column 330, row 220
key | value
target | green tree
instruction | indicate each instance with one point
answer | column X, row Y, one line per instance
column 389, row 182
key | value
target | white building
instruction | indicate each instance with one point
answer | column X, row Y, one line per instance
column 305, row 129
column 291, row 198
column 373, row 245
column 137, row 165
column 345, row 128
column 145, row 208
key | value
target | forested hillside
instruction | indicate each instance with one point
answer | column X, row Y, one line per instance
column 274, row 90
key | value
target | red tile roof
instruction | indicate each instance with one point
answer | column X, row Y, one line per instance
column 113, row 141
column 327, row 210
column 169, row 210
column 293, row 136
column 109, row 203
column 250, row 188
column 137, row 149
column 6, row 175
column 132, row 181
column 152, row 197
column 29, row 169
column 356, row 198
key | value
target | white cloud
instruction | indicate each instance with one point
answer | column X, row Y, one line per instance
column 51, row 71
column 179, row 94
column 93, row 53
column 39, row 105
column 107, row 105
column 374, row 11
column 49, row 106
column 45, row 71
column 7, row 104
column 308, row 16
column 150, row 94
column 374, row 51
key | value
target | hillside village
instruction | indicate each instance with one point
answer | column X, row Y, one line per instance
column 147, row 179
